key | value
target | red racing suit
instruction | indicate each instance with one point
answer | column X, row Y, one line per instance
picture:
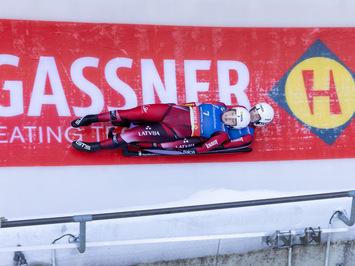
column 170, row 126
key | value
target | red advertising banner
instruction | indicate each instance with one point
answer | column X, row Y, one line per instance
column 53, row 72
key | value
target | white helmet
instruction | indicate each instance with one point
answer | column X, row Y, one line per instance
column 265, row 114
column 241, row 117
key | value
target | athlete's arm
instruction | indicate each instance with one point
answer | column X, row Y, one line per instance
column 214, row 141
column 242, row 141
column 146, row 113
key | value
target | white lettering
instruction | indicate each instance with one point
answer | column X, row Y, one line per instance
column 76, row 73
column 16, row 134
column 15, row 88
column 149, row 133
column 66, row 133
column 151, row 80
column 226, row 89
column 97, row 128
column 83, row 145
column 40, row 134
column 213, row 143
column 118, row 85
column 51, row 132
column 154, row 84
column 191, row 84
column 35, row 134
column 3, row 134
column 30, row 132
column 47, row 67
column 185, row 146
column 238, row 139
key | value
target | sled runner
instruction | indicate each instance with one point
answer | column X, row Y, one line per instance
column 135, row 151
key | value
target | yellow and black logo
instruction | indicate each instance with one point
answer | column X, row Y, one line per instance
column 318, row 91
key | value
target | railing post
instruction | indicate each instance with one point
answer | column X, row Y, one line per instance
column 82, row 219
column 342, row 215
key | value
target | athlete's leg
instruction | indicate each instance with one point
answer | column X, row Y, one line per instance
column 179, row 120
column 144, row 113
column 153, row 132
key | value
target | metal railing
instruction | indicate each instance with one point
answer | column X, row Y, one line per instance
column 82, row 219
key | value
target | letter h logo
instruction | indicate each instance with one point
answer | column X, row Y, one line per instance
column 311, row 92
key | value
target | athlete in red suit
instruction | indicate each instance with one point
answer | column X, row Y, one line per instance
column 170, row 126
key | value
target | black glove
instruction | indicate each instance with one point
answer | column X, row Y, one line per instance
column 190, row 151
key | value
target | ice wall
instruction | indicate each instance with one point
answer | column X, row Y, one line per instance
column 89, row 189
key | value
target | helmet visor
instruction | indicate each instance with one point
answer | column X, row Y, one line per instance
column 254, row 115
column 236, row 117
column 229, row 117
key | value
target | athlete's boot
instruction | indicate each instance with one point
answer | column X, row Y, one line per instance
column 87, row 146
column 85, row 121
column 109, row 144
column 110, row 133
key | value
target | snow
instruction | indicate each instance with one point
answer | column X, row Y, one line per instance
column 266, row 219
column 31, row 192
column 166, row 188
column 87, row 189
column 235, row 13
